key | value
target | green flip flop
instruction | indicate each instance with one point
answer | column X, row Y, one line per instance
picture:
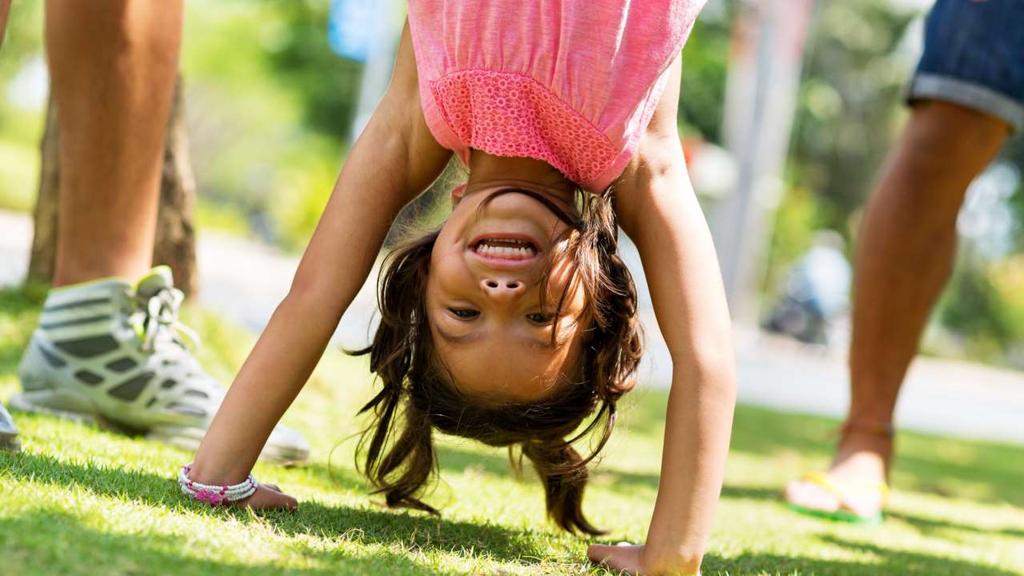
column 843, row 492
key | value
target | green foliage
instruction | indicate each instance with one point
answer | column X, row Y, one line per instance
column 983, row 307
column 849, row 101
column 20, row 167
column 705, row 67
column 258, row 145
column 20, row 129
column 24, row 34
column 1014, row 153
column 301, row 58
column 797, row 219
column 974, row 309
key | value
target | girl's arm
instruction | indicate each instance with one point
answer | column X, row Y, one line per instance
column 658, row 209
column 392, row 161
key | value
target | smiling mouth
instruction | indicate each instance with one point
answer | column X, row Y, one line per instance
column 514, row 249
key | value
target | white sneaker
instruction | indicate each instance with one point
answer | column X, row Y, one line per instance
column 8, row 432
column 112, row 354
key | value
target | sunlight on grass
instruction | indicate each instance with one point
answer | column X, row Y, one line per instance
column 81, row 500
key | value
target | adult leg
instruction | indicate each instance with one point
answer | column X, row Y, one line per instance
column 904, row 257
column 113, row 65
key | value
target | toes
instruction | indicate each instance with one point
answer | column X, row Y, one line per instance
column 810, row 495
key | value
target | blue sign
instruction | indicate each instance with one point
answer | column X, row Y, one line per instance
column 354, row 26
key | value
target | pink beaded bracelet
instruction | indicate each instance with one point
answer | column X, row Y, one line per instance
column 215, row 495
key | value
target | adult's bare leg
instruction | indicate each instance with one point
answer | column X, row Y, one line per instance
column 113, row 66
column 904, row 258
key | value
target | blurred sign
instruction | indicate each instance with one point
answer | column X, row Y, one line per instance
column 354, row 26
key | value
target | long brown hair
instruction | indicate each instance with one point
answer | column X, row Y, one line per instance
column 418, row 395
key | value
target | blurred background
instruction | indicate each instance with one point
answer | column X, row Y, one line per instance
column 788, row 110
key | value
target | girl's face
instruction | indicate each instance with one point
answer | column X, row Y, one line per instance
column 492, row 329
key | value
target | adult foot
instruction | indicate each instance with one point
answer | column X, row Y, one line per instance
column 8, row 432
column 854, row 488
column 114, row 354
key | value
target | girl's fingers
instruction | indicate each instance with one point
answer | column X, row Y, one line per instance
column 266, row 499
column 621, row 558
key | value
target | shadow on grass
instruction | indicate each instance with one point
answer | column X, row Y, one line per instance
column 364, row 525
column 931, row 526
column 337, row 474
column 455, row 459
column 985, row 472
column 886, row 561
column 47, row 542
column 991, row 473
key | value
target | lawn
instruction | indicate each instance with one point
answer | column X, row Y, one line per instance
column 80, row 500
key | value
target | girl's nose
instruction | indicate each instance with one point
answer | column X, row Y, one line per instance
column 502, row 289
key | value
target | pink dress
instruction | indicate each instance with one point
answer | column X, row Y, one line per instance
column 571, row 82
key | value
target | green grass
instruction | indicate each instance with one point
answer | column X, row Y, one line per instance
column 84, row 501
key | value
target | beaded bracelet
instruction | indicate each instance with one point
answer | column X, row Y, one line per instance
column 215, row 495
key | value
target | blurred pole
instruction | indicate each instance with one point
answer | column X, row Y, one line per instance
column 380, row 59
column 764, row 78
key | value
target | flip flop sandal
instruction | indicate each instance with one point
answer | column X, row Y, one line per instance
column 842, row 492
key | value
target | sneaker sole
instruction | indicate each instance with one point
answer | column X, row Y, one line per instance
column 10, row 442
column 59, row 404
column 189, row 439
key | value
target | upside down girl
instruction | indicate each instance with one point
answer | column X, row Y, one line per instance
column 515, row 323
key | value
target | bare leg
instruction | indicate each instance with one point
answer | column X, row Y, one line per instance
column 904, row 258
column 113, row 65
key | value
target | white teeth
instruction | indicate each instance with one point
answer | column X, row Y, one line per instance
column 521, row 251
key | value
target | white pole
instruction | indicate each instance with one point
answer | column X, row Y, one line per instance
column 379, row 62
column 764, row 78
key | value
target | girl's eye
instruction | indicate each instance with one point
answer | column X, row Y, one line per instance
column 540, row 318
column 464, row 313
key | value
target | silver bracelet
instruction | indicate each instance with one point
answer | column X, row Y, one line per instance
column 215, row 495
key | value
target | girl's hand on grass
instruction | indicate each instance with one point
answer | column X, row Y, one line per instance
column 634, row 560
column 269, row 497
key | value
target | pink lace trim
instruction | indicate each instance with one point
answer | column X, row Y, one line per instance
column 509, row 114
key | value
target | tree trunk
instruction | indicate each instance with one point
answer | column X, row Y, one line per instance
column 175, row 235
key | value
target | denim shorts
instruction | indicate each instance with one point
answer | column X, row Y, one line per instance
column 974, row 56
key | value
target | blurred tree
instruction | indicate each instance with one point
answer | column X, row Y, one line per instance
column 302, row 58
column 175, row 236
column 705, row 66
column 974, row 309
column 850, row 101
column 1014, row 153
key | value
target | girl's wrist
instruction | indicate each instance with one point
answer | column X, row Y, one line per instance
column 671, row 553
column 671, row 561
column 201, row 470
column 215, row 494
